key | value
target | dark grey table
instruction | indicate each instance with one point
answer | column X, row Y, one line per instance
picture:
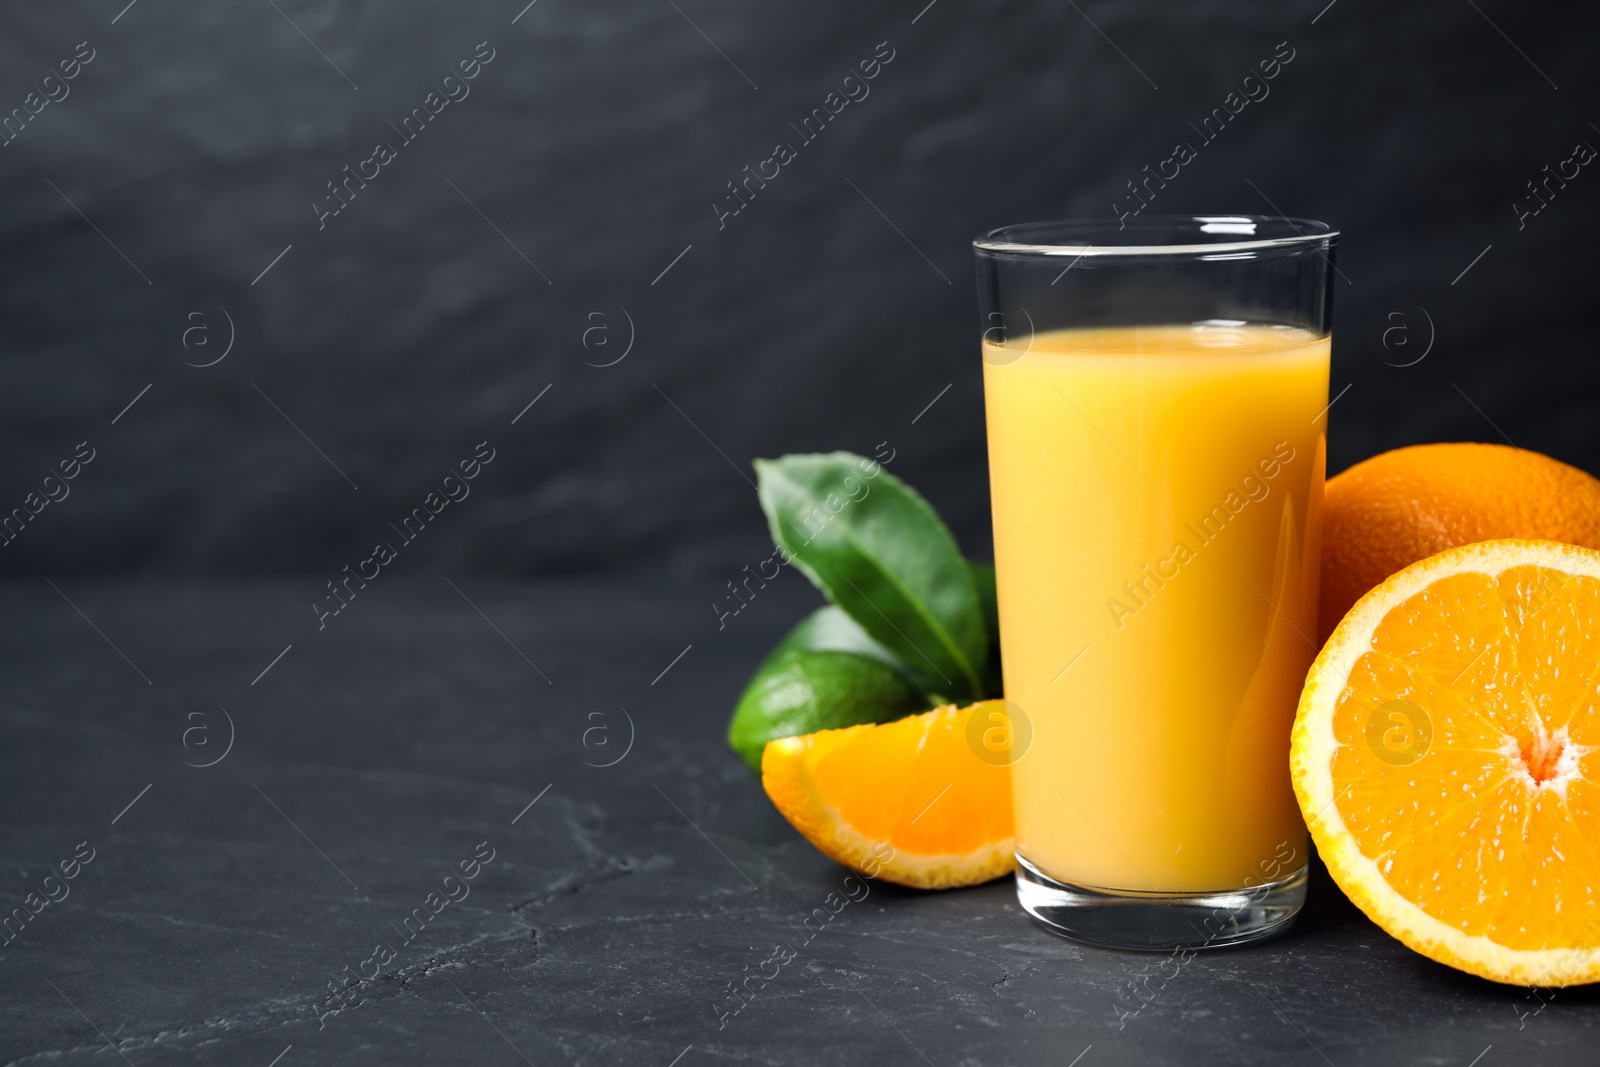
column 231, row 913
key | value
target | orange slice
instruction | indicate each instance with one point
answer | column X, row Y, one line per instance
column 1446, row 756
column 907, row 801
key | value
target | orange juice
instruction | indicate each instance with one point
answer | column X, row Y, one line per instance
column 1157, row 497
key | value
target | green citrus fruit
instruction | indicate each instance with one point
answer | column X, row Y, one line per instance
column 802, row 690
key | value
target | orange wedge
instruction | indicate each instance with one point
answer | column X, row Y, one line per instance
column 1446, row 756
column 907, row 801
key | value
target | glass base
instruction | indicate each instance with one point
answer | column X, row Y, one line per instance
column 1159, row 922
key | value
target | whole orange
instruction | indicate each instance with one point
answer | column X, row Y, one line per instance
column 1388, row 512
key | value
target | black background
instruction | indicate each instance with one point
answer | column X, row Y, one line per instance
column 597, row 141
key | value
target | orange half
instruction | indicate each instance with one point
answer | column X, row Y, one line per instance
column 908, row 801
column 1446, row 756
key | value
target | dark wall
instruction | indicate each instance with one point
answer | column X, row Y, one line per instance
column 591, row 152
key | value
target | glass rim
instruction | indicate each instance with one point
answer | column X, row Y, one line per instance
column 1054, row 237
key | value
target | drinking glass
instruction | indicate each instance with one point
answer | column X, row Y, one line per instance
column 1156, row 391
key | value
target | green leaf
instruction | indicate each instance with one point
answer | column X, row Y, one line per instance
column 877, row 549
column 803, row 690
column 988, row 598
column 829, row 629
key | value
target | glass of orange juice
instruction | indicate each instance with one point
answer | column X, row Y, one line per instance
column 1157, row 403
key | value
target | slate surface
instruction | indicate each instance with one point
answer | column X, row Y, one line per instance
column 376, row 754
